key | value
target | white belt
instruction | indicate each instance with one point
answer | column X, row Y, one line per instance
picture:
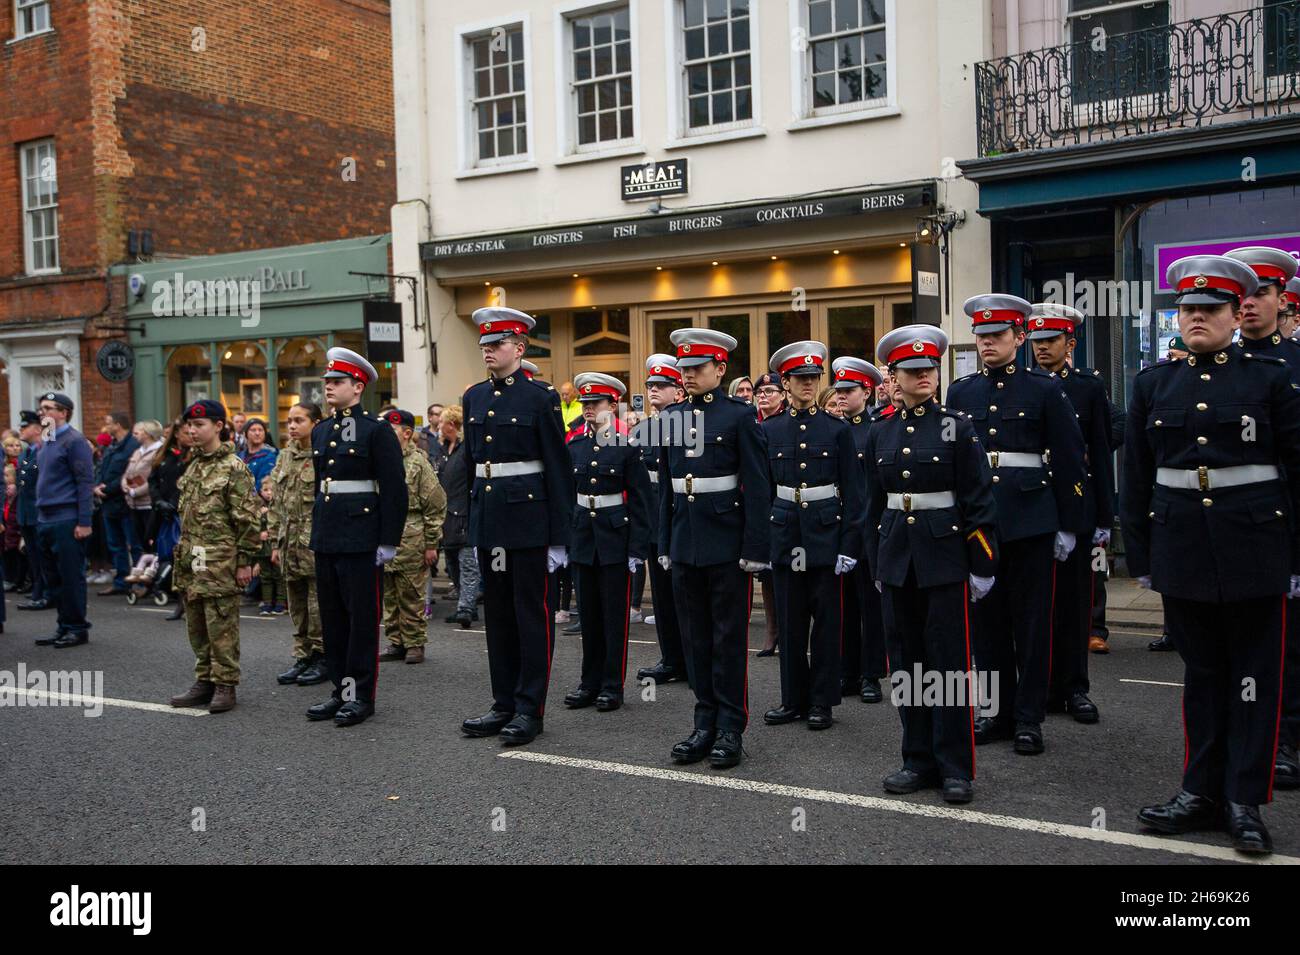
column 593, row 501
column 1205, row 479
column 1015, row 459
column 705, row 485
column 925, row 501
column 801, row 494
column 507, row 468
column 654, row 477
column 329, row 486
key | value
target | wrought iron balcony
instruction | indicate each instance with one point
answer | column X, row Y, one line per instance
column 1227, row 68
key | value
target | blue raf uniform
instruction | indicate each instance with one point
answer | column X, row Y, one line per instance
column 520, row 514
column 356, row 525
column 713, row 532
column 611, row 538
column 932, row 545
column 1208, row 498
column 660, row 372
column 1027, row 427
column 818, row 509
column 1076, row 579
column 1261, row 335
column 864, row 661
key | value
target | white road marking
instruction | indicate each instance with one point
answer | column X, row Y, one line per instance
column 1083, row 833
column 1149, row 682
column 79, row 699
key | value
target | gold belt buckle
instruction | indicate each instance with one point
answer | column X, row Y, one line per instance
column 591, row 502
column 798, row 495
column 690, row 484
column 487, row 469
column 1203, row 476
column 993, row 458
column 907, row 502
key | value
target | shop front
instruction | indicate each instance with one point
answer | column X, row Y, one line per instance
column 252, row 329
column 836, row 268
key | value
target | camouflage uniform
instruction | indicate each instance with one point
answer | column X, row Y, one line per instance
column 289, row 522
column 219, row 532
column 405, row 574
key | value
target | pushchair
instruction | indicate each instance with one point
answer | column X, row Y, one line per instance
column 159, row 589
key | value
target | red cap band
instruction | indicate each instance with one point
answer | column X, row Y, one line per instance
column 690, row 350
column 926, row 350
column 852, row 374
column 1055, row 324
column 1269, row 272
column 990, row 315
column 607, row 391
column 801, row 361
column 513, row 328
column 356, row 371
column 1210, row 281
column 666, row 371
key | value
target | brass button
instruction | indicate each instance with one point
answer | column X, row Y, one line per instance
column 336, row 427
column 802, row 465
column 1151, row 513
column 907, row 474
column 1202, row 440
column 1159, row 422
column 955, row 527
column 910, row 429
column 1206, row 501
column 514, row 420
column 1201, row 406
column 1205, row 377
column 993, row 431
column 593, row 480
column 1001, row 384
column 333, row 444
column 327, row 497
column 911, row 519
column 996, row 479
column 488, row 438
column 803, row 504
column 366, row 510
column 907, row 450
column 530, row 497
column 802, row 445
column 803, row 427
column 1022, row 414
column 993, row 407
column 487, row 487
column 691, row 498
column 490, row 413
column 330, row 461
column 352, row 450
column 592, row 513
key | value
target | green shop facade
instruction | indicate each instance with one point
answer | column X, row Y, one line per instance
column 251, row 329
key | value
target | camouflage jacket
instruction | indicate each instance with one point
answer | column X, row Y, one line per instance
column 426, row 510
column 293, row 491
column 219, row 523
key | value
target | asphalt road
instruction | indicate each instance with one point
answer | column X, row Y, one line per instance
column 133, row 785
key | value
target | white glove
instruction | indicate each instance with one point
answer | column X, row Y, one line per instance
column 556, row 557
column 383, row 554
column 1063, row 545
column 1101, row 536
column 665, row 562
column 880, row 588
column 1145, row 581
column 980, row 587
column 633, row 563
column 844, row 565
column 1295, row 587
column 753, row 566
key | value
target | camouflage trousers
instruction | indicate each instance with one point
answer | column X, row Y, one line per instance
column 404, row 622
column 304, row 611
column 213, row 627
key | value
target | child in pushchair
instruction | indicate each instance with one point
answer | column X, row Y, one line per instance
column 152, row 576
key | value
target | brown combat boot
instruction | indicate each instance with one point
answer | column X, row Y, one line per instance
column 197, row 695
column 223, row 699
column 394, row 652
column 415, row 654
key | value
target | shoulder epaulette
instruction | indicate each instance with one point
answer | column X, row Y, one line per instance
column 1272, row 359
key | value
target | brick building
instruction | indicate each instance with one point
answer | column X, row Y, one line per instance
column 138, row 130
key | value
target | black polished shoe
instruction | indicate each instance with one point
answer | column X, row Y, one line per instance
column 522, row 729
column 489, row 724
column 50, row 640
column 909, row 781
column 1286, row 768
column 1247, row 830
column 726, row 751
column 291, row 675
column 819, row 718
column 1186, row 812
column 71, row 639
column 1163, row 644
column 453, row 617
column 34, row 605
column 466, row 619
column 579, row 699
column 659, row 673
column 694, row 748
column 1029, row 739
column 608, row 702
column 769, row 652
column 850, row 686
column 1082, row 709
column 178, row 612
column 871, row 691
column 989, row 729
column 326, row 710
column 350, row 714
column 316, row 671
column 958, row 790
column 783, row 714
column 575, row 627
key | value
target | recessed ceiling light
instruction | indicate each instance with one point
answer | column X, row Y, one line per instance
column 659, row 268
column 774, row 258
column 487, row 283
column 902, row 245
column 715, row 263
column 575, row 275
column 835, row 251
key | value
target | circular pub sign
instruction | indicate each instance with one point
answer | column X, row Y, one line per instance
column 116, row 361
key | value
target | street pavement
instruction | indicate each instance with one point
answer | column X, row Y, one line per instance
column 261, row 784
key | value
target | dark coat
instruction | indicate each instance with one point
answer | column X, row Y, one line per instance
column 454, row 476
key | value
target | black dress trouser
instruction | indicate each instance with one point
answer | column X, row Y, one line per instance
column 1072, row 623
column 864, row 655
column 812, row 597
column 350, row 593
column 713, row 608
column 518, row 614
column 667, row 627
column 1013, row 629
column 1230, row 651
column 604, row 602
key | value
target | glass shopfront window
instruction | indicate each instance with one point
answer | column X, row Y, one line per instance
column 299, row 366
column 189, row 378
column 243, row 379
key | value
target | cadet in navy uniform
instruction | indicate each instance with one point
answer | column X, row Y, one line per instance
column 663, row 383
column 1211, row 483
column 818, row 510
column 932, row 549
column 1261, row 333
column 1052, row 335
column 864, row 662
column 611, row 539
column 520, row 512
column 1027, row 427
column 713, row 531
column 356, row 525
